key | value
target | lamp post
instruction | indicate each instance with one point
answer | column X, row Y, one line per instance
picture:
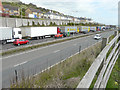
column 21, row 16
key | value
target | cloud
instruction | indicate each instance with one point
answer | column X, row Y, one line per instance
column 99, row 10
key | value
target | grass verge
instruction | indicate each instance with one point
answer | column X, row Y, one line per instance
column 110, row 38
column 114, row 80
column 66, row 74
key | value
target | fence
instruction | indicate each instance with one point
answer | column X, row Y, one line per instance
column 103, row 64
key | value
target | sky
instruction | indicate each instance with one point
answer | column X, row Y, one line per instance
column 102, row 11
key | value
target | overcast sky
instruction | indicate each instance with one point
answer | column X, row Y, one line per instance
column 102, row 11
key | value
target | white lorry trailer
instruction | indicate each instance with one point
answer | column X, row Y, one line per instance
column 9, row 34
column 38, row 32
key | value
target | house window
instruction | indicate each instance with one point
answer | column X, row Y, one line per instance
column 12, row 11
column 6, row 9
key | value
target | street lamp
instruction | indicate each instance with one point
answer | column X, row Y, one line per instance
column 21, row 16
column 21, row 12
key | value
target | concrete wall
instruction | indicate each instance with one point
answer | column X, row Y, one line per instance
column 17, row 22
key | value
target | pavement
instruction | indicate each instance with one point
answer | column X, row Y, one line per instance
column 36, row 60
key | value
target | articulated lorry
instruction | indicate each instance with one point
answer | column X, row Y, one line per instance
column 93, row 29
column 9, row 34
column 69, row 29
column 38, row 32
column 84, row 29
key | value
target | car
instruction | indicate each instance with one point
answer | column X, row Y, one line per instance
column 64, row 34
column 20, row 41
column 58, row 35
column 97, row 36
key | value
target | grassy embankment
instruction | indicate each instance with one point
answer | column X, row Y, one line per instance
column 66, row 74
column 114, row 80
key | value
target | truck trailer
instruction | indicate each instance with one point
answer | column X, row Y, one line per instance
column 38, row 32
column 9, row 34
column 93, row 29
column 84, row 29
column 99, row 28
column 69, row 29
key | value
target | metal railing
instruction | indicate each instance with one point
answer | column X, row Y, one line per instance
column 103, row 64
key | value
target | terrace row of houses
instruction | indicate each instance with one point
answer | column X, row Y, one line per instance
column 36, row 13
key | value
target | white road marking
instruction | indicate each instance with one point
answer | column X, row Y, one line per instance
column 44, row 47
column 65, row 59
column 56, row 51
column 20, row 64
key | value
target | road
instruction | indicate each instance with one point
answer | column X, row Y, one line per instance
column 34, row 61
column 10, row 46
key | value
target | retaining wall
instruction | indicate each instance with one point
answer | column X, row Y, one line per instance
column 17, row 22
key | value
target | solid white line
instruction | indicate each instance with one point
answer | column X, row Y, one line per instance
column 16, row 65
column 20, row 64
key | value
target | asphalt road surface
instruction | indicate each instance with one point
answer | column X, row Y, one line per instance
column 34, row 61
column 32, row 42
column 11, row 46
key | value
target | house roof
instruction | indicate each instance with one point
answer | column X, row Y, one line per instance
column 48, row 13
column 10, row 7
column 35, row 10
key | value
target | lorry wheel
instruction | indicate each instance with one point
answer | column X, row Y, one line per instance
column 37, row 38
column 18, row 44
column 4, row 42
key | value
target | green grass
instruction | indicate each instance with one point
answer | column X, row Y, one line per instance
column 115, row 76
column 110, row 38
column 66, row 74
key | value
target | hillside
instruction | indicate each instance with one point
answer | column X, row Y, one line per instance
column 20, row 4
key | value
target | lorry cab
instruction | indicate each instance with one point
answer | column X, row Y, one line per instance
column 17, row 33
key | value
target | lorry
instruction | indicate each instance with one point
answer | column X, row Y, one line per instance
column 99, row 28
column 69, row 30
column 9, row 34
column 103, row 28
column 38, row 32
column 93, row 29
column 84, row 29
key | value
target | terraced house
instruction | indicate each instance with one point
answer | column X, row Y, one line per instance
column 33, row 13
column 11, row 10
